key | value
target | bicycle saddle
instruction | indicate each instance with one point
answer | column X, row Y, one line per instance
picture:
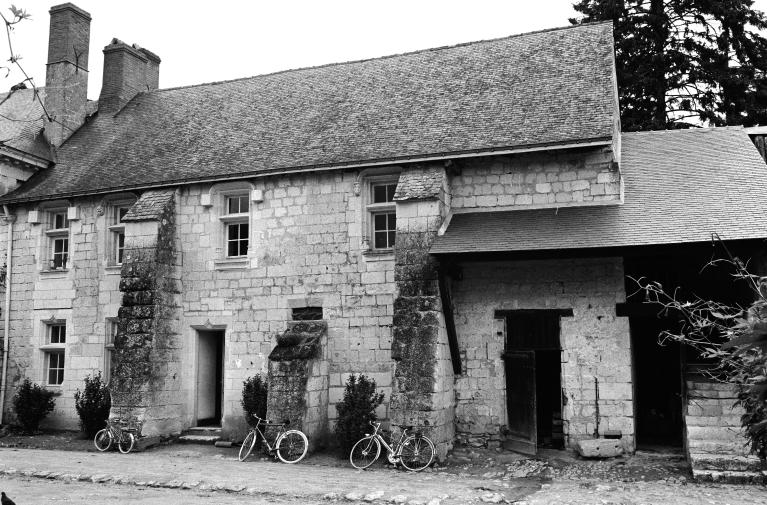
column 407, row 427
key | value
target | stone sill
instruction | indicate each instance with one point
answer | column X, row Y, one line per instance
column 374, row 255
column 113, row 269
column 231, row 264
column 59, row 272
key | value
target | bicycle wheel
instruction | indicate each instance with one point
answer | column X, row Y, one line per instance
column 127, row 440
column 247, row 445
column 103, row 440
column 417, row 453
column 365, row 452
column 292, row 446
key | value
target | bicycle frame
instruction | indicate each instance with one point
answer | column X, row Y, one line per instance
column 393, row 454
column 257, row 428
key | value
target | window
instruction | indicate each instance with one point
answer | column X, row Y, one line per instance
column 55, row 340
column 58, row 239
column 236, row 225
column 117, row 233
column 109, row 347
column 383, row 217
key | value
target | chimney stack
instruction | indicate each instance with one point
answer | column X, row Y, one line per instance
column 66, row 77
column 128, row 71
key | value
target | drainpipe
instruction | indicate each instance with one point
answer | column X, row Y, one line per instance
column 7, row 309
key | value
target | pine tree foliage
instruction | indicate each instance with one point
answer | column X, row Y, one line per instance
column 683, row 63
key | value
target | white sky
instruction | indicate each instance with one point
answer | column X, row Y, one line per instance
column 226, row 39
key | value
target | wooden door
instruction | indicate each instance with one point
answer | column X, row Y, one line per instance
column 521, row 401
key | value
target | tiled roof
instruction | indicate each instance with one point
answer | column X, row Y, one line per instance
column 547, row 87
column 21, row 122
column 680, row 186
column 150, row 206
column 419, row 183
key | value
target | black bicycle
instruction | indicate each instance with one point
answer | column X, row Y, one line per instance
column 290, row 446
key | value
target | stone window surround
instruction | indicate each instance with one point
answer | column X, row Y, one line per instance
column 363, row 188
column 45, row 214
column 216, row 200
column 48, row 349
column 108, row 208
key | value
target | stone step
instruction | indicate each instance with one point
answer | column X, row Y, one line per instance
column 715, row 433
column 717, row 447
column 201, row 435
column 729, row 477
column 728, row 462
column 731, row 421
column 199, row 439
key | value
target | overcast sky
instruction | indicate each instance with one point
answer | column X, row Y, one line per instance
column 226, row 39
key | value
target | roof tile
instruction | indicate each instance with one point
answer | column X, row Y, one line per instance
column 555, row 86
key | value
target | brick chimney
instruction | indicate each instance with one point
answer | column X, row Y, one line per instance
column 128, row 71
column 66, row 77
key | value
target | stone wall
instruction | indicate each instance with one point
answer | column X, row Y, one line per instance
column 594, row 341
column 306, row 250
column 83, row 296
column 537, row 179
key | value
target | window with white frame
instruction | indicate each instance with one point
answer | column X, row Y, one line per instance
column 54, row 351
column 116, row 246
column 57, row 233
column 236, row 220
column 109, row 347
column 382, row 216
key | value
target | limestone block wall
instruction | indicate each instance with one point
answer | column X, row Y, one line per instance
column 537, row 179
column 306, row 250
column 83, row 296
column 594, row 342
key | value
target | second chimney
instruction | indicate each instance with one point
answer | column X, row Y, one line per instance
column 128, row 71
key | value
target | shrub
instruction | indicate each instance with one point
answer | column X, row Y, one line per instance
column 93, row 405
column 356, row 410
column 32, row 403
column 254, row 391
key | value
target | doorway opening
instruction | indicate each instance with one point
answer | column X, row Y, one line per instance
column 533, row 366
column 657, row 385
column 210, row 377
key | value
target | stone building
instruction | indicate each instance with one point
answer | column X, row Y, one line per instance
column 457, row 223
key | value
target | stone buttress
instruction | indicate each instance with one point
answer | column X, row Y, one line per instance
column 423, row 392
column 298, row 380
column 146, row 377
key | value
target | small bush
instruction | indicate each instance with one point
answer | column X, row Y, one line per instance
column 93, row 405
column 356, row 410
column 32, row 403
column 254, row 391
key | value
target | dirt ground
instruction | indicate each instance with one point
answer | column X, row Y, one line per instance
column 464, row 461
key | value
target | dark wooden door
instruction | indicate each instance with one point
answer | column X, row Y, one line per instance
column 521, row 401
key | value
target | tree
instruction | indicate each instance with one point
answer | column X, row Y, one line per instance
column 683, row 63
column 734, row 337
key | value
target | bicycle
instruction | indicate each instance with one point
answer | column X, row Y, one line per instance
column 290, row 446
column 415, row 452
column 119, row 430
